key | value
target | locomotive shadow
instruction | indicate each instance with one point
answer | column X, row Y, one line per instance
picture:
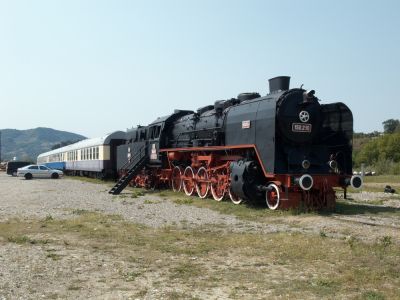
column 344, row 208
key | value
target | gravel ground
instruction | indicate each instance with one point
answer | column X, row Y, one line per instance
column 60, row 198
column 24, row 274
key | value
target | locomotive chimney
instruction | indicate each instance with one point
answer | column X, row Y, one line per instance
column 280, row 83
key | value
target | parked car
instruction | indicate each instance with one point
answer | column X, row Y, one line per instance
column 38, row 171
column 12, row 166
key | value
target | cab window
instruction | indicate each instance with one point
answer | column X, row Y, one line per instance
column 155, row 132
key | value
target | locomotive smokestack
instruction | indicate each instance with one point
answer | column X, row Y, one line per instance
column 280, row 83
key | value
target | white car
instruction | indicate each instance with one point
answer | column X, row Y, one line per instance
column 38, row 171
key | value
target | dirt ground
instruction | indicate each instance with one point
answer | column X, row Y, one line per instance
column 70, row 239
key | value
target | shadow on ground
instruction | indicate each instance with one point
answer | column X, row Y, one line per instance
column 344, row 208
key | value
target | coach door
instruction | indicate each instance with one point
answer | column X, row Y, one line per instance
column 154, row 143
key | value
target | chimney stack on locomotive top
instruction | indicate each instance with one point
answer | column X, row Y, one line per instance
column 280, row 83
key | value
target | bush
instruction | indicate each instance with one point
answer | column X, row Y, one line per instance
column 381, row 154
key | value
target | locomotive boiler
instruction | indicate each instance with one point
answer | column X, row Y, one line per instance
column 284, row 149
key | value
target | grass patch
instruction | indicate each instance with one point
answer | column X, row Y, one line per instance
column 386, row 179
column 74, row 287
column 23, row 239
column 131, row 276
column 185, row 271
column 80, row 212
column 136, row 192
column 372, row 295
column 147, row 201
column 294, row 265
column 244, row 211
column 183, row 201
column 53, row 256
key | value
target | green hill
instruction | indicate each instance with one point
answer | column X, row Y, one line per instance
column 27, row 144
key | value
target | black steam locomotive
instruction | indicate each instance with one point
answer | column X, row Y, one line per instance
column 284, row 148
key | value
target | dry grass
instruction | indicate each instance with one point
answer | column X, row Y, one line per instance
column 192, row 263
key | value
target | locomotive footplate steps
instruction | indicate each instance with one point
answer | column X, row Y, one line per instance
column 134, row 166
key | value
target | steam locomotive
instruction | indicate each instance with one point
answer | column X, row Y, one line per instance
column 284, row 149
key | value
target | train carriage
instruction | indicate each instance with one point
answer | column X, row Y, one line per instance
column 91, row 157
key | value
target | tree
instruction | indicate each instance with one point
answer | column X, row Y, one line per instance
column 62, row 144
column 390, row 126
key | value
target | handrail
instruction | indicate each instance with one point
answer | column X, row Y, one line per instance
column 136, row 157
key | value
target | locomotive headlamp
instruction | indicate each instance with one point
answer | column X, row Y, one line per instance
column 306, row 182
column 355, row 181
column 305, row 164
column 308, row 96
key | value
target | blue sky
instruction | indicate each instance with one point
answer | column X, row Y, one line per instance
column 92, row 67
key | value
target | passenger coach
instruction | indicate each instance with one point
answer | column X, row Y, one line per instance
column 91, row 157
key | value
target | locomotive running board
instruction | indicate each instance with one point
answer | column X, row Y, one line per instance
column 134, row 167
column 222, row 148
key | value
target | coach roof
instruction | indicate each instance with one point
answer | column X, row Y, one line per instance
column 105, row 140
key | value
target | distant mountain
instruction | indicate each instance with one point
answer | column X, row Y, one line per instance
column 28, row 144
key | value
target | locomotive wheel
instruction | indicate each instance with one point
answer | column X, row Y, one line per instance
column 188, row 181
column 235, row 199
column 272, row 196
column 176, row 179
column 218, row 185
column 202, row 184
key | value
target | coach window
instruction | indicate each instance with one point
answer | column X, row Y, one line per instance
column 97, row 152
